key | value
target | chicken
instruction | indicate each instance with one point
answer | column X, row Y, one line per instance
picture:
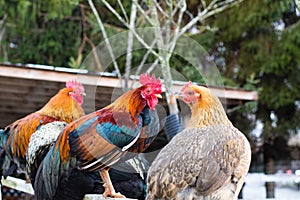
column 128, row 177
column 14, row 138
column 98, row 140
column 39, row 145
column 209, row 159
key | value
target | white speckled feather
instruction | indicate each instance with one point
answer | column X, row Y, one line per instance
column 46, row 135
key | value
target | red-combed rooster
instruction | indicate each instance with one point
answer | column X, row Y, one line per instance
column 128, row 177
column 14, row 138
column 97, row 141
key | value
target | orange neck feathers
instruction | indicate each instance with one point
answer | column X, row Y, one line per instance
column 62, row 107
column 208, row 111
column 132, row 101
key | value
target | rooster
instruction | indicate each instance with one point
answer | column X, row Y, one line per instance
column 208, row 160
column 14, row 138
column 128, row 177
column 39, row 145
column 97, row 141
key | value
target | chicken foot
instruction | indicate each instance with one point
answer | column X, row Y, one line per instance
column 109, row 190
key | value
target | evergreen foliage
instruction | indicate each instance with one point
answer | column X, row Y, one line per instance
column 255, row 45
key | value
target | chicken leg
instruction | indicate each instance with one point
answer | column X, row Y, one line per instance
column 109, row 190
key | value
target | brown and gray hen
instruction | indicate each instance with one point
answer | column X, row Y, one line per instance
column 208, row 160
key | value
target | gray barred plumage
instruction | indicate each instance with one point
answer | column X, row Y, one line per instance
column 209, row 160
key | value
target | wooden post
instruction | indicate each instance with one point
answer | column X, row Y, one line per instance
column 270, row 189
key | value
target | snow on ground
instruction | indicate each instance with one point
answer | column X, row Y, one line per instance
column 285, row 189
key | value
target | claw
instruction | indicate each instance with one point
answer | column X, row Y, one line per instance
column 109, row 190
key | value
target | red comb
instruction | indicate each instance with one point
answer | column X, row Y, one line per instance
column 188, row 84
column 74, row 84
column 146, row 79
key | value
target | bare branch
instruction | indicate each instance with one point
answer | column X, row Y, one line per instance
column 209, row 11
column 86, row 39
column 164, row 55
column 224, row 6
column 211, row 4
column 298, row 4
column 130, row 44
column 2, row 33
column 127, row 25
column 169, row 3
column 111, row 9
column 189, row 14
column 203, row 3
column 149, row 70
column 176, row 34
column 100, row 23
column 174, row 11
column 123, row 10
column 223, row 3
column 98, row 63
column 2, row 21
column 143, row 12
column 115, row 27
column 158, row 33
column 169, row 22
column 182, row 6
column 161, row 9
column 139, row 68
column 83, row 22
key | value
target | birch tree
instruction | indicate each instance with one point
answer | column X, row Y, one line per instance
column 167, row 16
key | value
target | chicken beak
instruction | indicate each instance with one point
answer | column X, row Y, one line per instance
column 158, row 96
column 83, row 94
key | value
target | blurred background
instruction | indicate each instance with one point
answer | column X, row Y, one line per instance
column 254, row 45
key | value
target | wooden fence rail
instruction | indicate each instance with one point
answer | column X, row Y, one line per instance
column 21, row 185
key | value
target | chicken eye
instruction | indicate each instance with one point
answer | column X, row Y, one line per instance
column 190, row 92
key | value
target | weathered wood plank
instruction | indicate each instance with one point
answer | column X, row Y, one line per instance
column 25, row 89
column 17, row 184
column 21, row 185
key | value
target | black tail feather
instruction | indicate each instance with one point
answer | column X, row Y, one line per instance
column 39, row 186
column 80, row 183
